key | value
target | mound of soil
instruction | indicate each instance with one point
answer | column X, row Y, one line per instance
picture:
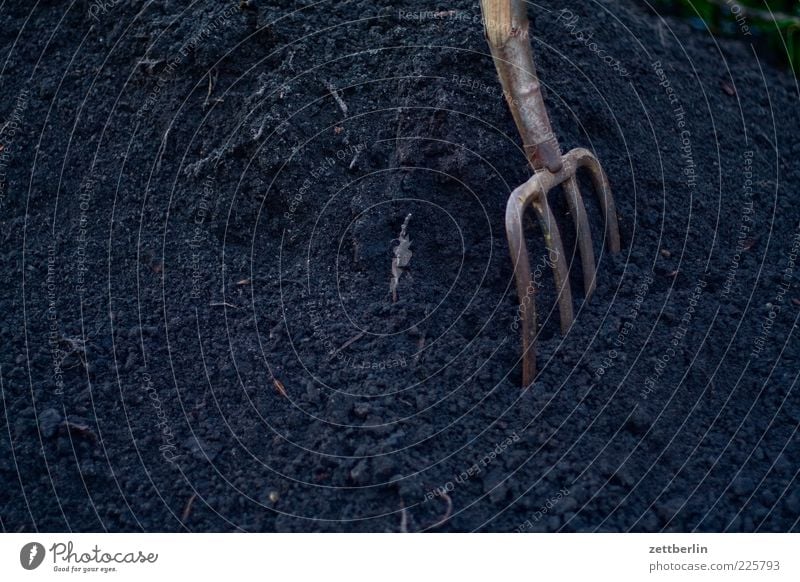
column 200, row 207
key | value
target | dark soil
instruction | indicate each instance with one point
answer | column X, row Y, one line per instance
column 193, row 228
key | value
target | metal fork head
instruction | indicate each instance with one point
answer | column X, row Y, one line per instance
column 506, row 28
column 534, row 193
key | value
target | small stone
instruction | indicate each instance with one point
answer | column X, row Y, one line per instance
column 383, row 468
column 768, row 497
column 743, row 486
column 273, row 496
column 792, row 503
column 361, row 411
column 625, row 477
column 312, row 392
column 782, row 463
column 665, row 253
column 649, row 523
column 359, row 473
column 669, row 508
column 88, row 468
column 395, row 438
column 49, row 421
column 200, row 449
column 639, row 422
column 567, row 505
column 495, row 486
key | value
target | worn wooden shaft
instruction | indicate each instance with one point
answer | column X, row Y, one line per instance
column 507, row 32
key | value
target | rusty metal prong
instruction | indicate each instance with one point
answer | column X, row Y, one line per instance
column 557, row 259
column 583, row 158
column 515, row 211
column 534, row 193
column 582, row 233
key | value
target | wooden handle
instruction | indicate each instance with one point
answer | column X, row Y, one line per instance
column 506, row 28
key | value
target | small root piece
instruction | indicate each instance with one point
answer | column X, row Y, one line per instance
column 75, row 346
column 187, row 510
column 350, row 342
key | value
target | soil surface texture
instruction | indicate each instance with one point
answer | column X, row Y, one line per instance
column 200, row 208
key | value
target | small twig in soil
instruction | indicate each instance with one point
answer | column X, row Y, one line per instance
column 149, row 64
column 212, row 81
column 76, row 346
column 257, row 135
column 350, row 342
column 188, row 509
column 355, row 158
column 222, row 304
column 339, row 101
column 80, row 430
column 163, row 147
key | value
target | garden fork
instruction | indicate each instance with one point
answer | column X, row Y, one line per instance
column 506, row 29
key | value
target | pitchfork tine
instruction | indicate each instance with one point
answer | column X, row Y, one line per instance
column 506, row 28
column 534, row 193
column 582, row 233
column 601, row 185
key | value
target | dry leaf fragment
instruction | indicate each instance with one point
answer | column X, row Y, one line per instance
column 280, row 387
column 402, row 257
column 728, row 88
